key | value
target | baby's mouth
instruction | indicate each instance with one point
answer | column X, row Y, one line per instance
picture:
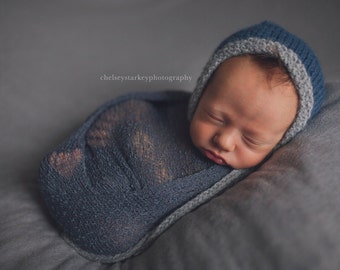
column 214, row 157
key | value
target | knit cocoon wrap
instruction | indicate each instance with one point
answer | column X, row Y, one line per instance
column 127, row 174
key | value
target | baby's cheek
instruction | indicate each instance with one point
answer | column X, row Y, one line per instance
column 193, row 132
column 199, row 132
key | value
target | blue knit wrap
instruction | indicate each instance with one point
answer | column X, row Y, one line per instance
column 299, row 59
column 127, row 174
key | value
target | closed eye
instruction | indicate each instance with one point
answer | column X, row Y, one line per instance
column 257, row 144
column 251, row 141
column 214, row 117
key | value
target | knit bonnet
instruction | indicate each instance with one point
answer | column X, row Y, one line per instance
column 271, row 39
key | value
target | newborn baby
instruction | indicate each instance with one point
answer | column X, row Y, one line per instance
column 136, row 165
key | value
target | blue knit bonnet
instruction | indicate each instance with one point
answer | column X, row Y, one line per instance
column 299, row 59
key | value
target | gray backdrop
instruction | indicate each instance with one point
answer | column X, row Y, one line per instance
column 53, row 55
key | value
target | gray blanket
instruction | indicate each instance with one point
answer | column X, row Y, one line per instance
column 286, row 215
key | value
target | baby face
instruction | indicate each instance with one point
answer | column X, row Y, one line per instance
column 242, row 114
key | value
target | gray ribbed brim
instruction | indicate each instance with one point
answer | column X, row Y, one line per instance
column 290, row 59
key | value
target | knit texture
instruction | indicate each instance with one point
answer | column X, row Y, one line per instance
column 299, row 59
column 127, row 174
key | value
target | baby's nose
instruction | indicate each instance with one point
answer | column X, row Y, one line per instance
column 225, row 140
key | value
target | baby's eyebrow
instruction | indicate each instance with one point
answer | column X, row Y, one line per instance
column 222, row 113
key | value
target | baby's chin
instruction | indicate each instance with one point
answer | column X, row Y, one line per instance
column 237, row 165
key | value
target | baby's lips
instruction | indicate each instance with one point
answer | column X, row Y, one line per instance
column 214, row 157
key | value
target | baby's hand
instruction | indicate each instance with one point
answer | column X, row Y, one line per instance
column 65, row 162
